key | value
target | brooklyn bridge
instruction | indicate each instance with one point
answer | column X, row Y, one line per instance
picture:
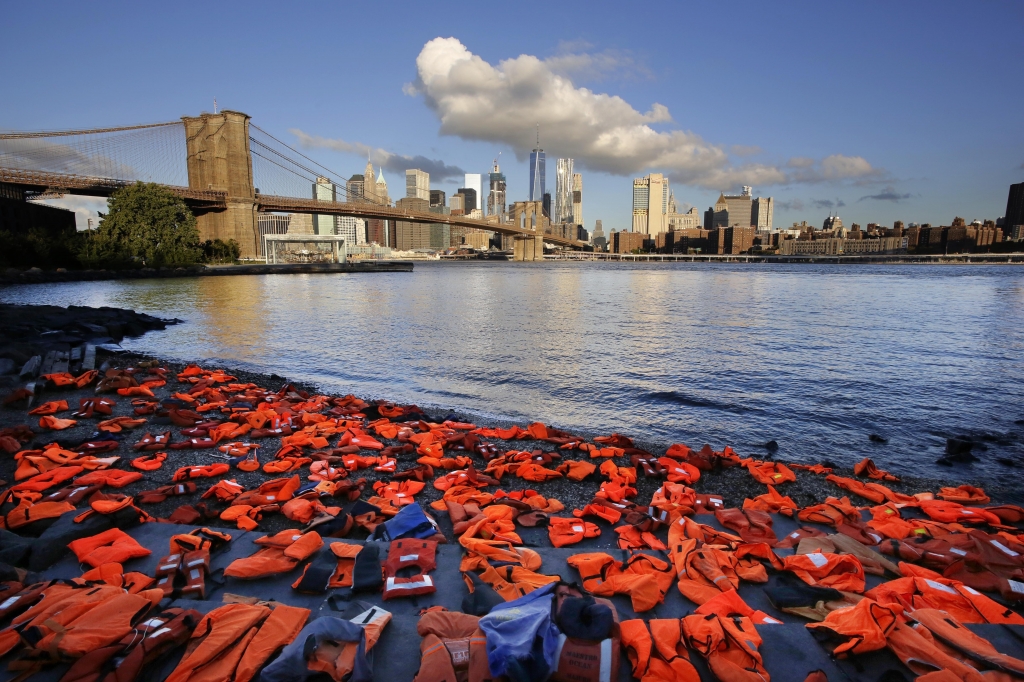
column 228, row 170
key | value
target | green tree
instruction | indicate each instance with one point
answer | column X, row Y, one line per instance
column 146, row 225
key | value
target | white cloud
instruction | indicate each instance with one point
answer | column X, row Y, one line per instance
column 84, row 208
column 475, row 100
column 395, row 163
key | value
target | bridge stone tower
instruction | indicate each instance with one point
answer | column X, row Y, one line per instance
column 529, row 215
column 219, row 159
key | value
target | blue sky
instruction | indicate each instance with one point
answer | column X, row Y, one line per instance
column 882, row 111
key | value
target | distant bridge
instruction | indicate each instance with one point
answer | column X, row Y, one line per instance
column 219, row 171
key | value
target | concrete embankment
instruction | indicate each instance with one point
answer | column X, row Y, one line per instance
column 38, row 276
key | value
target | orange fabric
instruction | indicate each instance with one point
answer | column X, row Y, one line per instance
column 206, row 471
column 115, row 478
column 644, row 578
column 864, row 627
column 658, row 655
column 839, row 571
column 110, row 546
column 772, row 473
column 150, row 462
column 730, row 646
column 279, row 629
column 52, row 407
column 213, row 645
column 563, row 532
column 866, row 467
column 55, row 424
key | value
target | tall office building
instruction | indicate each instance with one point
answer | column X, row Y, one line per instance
column 324, row 190
column 437, row 197
column 1014, row 208
column 650, row 204
column 733, row 210
column 577, row 199
column 474, row 181
column 563, row 192
column 469, row 199
column 457, row 204
column 354, row 188
column 417, row 185
column 545, row 204
column 496, row 195
column 538, row 167
column 433, row 236
column 761, row 213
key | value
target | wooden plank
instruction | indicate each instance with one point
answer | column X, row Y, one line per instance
column 89, row 357
column 31, row 368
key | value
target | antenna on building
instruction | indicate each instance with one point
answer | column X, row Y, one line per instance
column 215, row 105
column 538, row 136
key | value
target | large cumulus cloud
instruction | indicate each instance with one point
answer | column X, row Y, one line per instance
column 475, row 100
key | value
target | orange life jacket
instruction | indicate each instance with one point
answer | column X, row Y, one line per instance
column 839, row 571
column 279, row 553
column 658, row 655
column 453, row 647
column 562, row 531
column 730, row 646
column 408, row 553
column 860, row 628
column 110, row 546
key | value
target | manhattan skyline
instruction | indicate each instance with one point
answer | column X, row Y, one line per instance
column 878, row 113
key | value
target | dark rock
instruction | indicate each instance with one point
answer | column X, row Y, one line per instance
column 1006, row 461
column 1019, row 422
column 959, row 446
column 875, row 438
column 771, row 446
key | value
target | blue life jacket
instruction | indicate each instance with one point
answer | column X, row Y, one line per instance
column 409, row 522
column 291, row 665
column 522, row 639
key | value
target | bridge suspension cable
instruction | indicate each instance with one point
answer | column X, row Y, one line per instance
column 150, row 153
column 270, row 180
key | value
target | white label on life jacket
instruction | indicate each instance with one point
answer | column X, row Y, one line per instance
column 769, row 619
column 409, row 557
column 956, row 551
column 972, row 590
column 194, row 574
column 152, row 623
column 577, row 529
column 605, row 674
column 939, row 586
column 270, row 498
column 795, row 534
column 818, row 559
column 159, row 632
column 1003, row 548
column 1016, row 586
column 876, row 538
column 8, row 602
column 424, row 582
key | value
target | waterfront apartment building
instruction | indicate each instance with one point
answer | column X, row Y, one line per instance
column 538, row 169
column 627, row 242
column 352, row 229
column 324, row 190
column 730, row 240
column 496, row 195
column 650, row 204
column 563, row 192
column 835, row 246
column 417, row 185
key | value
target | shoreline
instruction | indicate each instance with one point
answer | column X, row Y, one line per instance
column 13, row 276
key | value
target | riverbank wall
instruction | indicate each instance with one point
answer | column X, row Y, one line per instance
column 868, row 259
column 38, row 276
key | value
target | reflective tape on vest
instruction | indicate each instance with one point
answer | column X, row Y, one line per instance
column 818, row 559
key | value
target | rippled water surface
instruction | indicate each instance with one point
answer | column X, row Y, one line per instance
column 815, row 357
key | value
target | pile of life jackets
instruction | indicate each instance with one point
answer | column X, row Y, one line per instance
column 951, row 551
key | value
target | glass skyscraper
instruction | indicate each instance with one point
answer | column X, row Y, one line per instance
column 538, row 165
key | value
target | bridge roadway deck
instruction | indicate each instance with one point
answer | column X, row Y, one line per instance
column 203, row 200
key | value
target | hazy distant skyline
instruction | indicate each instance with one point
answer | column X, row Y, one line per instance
column 878, row 111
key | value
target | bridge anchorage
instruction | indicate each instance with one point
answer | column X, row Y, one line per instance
column 216, row 162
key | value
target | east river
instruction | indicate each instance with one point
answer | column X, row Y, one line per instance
column 813, row 357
